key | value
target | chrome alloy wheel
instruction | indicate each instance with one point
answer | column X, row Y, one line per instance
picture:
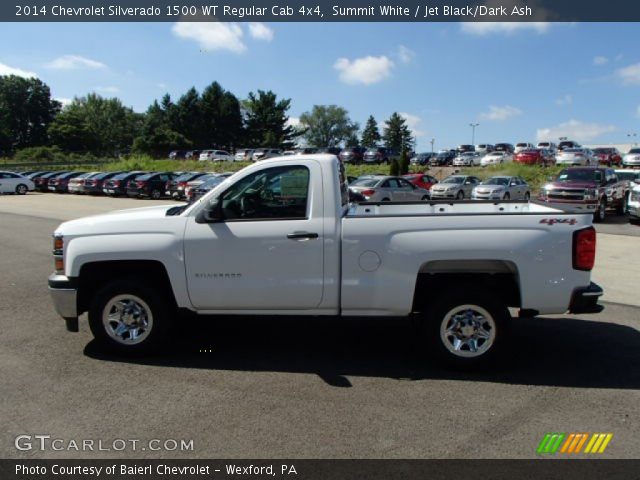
column 468, row 331
column 127, row 319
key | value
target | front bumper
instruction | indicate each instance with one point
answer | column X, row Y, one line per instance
column 64, row 293
column 585, row 299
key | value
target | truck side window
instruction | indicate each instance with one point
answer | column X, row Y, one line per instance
column 273, row 193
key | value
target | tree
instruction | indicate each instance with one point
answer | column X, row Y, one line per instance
column 266, row 121
column 157, row 137
column 93, row 124
column 327, row 126
column 397, row 134
column 26, row 110
column 370, row 134
column 221, row 118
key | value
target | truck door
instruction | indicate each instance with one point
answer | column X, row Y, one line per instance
column 267, row 251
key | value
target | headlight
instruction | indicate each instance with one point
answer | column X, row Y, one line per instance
column 58, row 251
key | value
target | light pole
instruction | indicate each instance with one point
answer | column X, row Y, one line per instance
column 473, row 132
column 433, row 140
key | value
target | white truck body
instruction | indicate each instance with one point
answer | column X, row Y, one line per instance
column 357, row 260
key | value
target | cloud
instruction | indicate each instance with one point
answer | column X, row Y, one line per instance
column 506, row 28
column 629, row 75
column 7, row 70
column 64, row 101
column 638, row 111
column 566, row 100
column 364, row 71
column 575, row 130
column 162, row 86
column 74, row 62
column 413, row 122
column 260, row 31
column 500, row 114
column 405, row 54
column 212, row 35
column 600, row 60
column 109, row 89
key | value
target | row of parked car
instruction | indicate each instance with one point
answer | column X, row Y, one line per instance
column 136, row 184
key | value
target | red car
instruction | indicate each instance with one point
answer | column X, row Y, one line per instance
column 533, row 156
column 607, row 156
column 421, row 180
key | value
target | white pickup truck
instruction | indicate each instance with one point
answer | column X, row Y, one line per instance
column 281, row 238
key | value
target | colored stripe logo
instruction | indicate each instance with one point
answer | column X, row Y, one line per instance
column 573, row 443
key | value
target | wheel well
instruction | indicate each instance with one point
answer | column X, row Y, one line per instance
column 430, row 285
column 93, row 276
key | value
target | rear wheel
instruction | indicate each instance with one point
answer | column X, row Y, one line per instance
column 21, row 189
column 621, row 209
column 600, row 213
column 507, row 196
column 424, row 197
column 386, row 199
column 467, row 329
column 129, row 317
column 156, row 194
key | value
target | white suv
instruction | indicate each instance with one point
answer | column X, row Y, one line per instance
column 523, row 146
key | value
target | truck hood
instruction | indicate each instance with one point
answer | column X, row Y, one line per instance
column 132, row 220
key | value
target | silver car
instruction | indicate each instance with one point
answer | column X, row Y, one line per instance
column 383, row 188
column 457, row 187
column 502, row 188
column 632, row 158
column 576, row 156
column 467, row 159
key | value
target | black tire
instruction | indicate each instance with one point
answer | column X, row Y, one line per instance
column 527, row 197
column 159, row 327
column 22, row 189
column 460, row 195
column 424, row 198
column 156, row 194
column 386, row 199
column 489, row 313
column 600, row 213
column 507, row 196
column 621, row 209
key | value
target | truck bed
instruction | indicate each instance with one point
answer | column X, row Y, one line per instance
column 444, row 207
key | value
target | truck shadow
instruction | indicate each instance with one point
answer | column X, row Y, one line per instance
column 568, row 352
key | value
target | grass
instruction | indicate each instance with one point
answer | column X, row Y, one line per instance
column 535, row 176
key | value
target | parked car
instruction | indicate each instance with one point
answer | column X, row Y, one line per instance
column 243, row 154
column 523, row 146
column 205, row 187
column 442, row 158
column 353, row 155
column 588, row 189
column 549, row 146
column 216, row 156
column 117, row 185
column 175, row 187
column 264, row 153
column 502, row 188
column 458, row 187
column 95, row 184
column 177, row 154
column 151, row 185
column 608, row 156
column 383, row 188
column 421, row 158
column 534, row 156
column 465, row 148
column 76, row 184
column 306, row 150
column 379, row 155
column 503, row 147
column 60, row 183
column 421, row 180
column 456, row 271
column 576, row 156
column 42, row 181
column 467, row 159
column 632, row 158
column 631, row 176
column 329, row 150
column 495, row 158
column 633, row 207
column 484, row 148
column 199, row 181
column 192, row 155
column 568, row 144
column 15, row 183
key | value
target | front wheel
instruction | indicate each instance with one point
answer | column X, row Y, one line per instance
column 600, row 213
column 129, row 317
column 621, row 209
column 21, row 189
column 156, row 194
column 460, row 195
column 468, row 330
column 527, row 197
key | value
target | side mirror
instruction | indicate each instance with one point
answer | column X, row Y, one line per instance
column 211, row 213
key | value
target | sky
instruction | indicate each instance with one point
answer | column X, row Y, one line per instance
column 521, row 82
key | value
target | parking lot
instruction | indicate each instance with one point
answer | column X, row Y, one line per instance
column 319, row 389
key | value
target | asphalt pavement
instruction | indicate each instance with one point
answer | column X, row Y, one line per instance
column 302, row 388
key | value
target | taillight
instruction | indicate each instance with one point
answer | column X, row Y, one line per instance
column 182, row 184
column 140, row 184
column 368, row 193
column 584, row 249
